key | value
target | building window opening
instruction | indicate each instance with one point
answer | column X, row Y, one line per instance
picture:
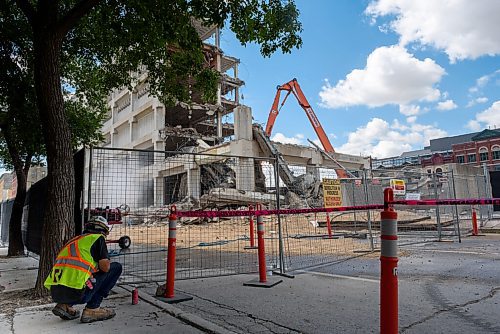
column 471, row 157
column 460, row 159
column 495, row 152
column 483, row 154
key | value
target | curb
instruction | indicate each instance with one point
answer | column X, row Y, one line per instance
column 490, row 230
column 186, row 317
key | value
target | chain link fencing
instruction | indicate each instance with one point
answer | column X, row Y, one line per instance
column 306, row 238
column 135, row 189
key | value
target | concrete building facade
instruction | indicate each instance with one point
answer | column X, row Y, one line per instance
column 138, row 120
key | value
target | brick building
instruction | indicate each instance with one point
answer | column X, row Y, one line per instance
column 484, row 148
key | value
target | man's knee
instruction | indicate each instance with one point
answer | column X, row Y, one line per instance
column 116, row 268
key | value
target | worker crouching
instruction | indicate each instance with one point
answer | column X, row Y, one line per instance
column 83, row 274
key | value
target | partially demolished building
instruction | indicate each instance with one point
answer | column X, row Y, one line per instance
column 139, row 121
column 229, row 160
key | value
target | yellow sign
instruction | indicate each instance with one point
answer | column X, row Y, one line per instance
column 398, row 186
column 332, row 193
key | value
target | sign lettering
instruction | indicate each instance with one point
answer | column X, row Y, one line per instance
column 332, row 193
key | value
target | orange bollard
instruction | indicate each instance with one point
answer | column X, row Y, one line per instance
column 252, row 232
column 328, row 225
column 262, row 248
column 168, row 294
column 252, row 237
column 389, row 318
column 172, row 237
column 474, row 222
column 263, row 280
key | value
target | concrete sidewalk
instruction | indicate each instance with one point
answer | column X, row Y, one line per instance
column 148, row 316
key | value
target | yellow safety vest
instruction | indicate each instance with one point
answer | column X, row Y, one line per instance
column 74, row 263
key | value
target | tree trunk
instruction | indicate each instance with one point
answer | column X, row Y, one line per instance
column 16, row 245
column 58, row 224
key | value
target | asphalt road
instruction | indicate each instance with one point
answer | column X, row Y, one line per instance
column 443, row 288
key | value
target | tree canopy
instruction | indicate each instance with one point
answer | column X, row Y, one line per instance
column 94, row 46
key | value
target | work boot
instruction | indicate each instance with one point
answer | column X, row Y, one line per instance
column 65, row 312
column 97, row 314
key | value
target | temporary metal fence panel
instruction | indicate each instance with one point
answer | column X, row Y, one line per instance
column 422, row 223
column 429, row 223
column 307, row 240
column 144, row 184
column 468, row 186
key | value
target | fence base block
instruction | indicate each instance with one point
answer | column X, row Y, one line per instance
column 250, row 247
column 178, row 298
column 283, row 274
column 271, row 281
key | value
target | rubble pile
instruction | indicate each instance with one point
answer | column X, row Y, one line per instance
column 216, row 175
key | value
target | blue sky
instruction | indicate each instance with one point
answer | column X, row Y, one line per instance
column 383, row 76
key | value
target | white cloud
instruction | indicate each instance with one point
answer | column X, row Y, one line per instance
column 398, row 126
column 411, row 119
column 483, row 81
column 391, row 76
column 474, row 125
column 476, row 90
column 463, row 29
column 409, row 110
column 489, row 118
column 298, row 139
column 446, row 105
column 478, row 100
column 380, row 139
column 317, row 142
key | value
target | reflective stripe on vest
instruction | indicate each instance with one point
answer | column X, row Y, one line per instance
column 76, row 264
column 73, row 266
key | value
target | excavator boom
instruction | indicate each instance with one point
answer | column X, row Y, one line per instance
column 293, row 87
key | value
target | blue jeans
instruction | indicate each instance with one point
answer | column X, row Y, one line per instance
column 102, row 286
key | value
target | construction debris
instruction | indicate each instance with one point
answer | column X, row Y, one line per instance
column 217, row 175
column 224, row 197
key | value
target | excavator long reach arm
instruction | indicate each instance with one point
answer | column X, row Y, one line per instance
column 293, row 87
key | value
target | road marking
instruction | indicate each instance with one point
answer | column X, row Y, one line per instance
column 354, row 278
column 453, row 251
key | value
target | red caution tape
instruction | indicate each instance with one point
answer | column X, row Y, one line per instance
column 238, row 213
column 247, row 213
column 465, row 201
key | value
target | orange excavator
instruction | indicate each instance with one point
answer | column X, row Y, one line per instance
column 293, row 87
